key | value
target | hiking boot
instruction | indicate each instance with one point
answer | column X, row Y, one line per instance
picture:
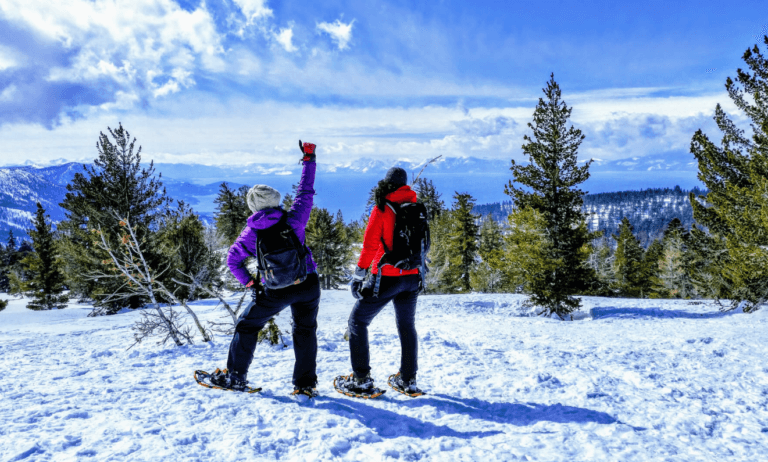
column 407, row 387
column 223, row 379
column 362, row 383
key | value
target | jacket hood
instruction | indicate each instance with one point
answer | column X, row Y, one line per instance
column 402, row 195
column 265, row 218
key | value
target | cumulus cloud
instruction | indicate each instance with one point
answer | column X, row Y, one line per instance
column 149, row 48
column 285, row 38
column 340, row 33
column 8, row 58
column 254, row 9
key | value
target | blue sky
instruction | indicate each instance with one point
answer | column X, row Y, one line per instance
column 239, row 81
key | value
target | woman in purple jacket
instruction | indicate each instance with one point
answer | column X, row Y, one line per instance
column 303, row 297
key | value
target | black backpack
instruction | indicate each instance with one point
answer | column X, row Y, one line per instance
column 411, row 240
column 282, row 258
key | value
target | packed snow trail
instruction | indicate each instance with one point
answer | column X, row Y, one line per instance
column 635, row 380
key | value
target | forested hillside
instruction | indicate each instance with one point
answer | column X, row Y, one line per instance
column 649, row 211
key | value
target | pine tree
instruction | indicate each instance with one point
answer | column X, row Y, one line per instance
column 735, row 173
column 549, row 186
column 487, row 275
column 653, row 286
column 46, row 284
column 327, row 239
column 462, row 242
column 232, row 212
column 7, row 259
column 428, row 195
column 628, row 262
column 673, row 274
column 115, row 186
column 601, row 259
column 182, row 241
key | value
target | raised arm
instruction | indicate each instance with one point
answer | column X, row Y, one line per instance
column 298, row 216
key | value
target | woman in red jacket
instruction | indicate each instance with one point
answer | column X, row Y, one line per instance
column 402, row 287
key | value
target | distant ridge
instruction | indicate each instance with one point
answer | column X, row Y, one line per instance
column 648, row 210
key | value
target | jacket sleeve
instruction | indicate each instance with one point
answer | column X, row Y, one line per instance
column 238, row 254
column 372, row 238
column 298, row 216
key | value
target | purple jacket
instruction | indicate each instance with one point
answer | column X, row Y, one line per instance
column 298, row 216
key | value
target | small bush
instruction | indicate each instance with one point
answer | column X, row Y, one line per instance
column 3, row 304
column 271, row 334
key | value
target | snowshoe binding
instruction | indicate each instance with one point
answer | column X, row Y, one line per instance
column 408, row 388
column 222, row 380
column 309, row 392
column 357, row 387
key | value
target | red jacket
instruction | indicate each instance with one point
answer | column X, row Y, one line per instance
column 382, row 225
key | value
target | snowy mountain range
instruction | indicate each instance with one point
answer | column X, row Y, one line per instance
column 341, row 186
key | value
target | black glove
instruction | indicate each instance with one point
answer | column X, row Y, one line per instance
column 356, row 286
column 308, row 149
column 255, row 287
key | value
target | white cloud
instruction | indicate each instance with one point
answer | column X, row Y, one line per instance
column 8, row 58
column 254, row 10
column 8, row 93
column 285, row 39
column 130, row 42
column 340, row 33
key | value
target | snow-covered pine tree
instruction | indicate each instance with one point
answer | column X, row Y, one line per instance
column 628, row 262
column 232, row 212
column 462, row 234
column 116, row 185
column 550, row 187
column 46, row 282
column 736, row 174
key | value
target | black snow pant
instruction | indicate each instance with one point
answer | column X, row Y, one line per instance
column 303, row 299
column 403, row 291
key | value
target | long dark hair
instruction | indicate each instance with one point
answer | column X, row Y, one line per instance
column 383, row 189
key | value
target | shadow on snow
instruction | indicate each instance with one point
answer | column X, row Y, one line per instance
column 614, row 312
column 388, row 424
column 513, row 413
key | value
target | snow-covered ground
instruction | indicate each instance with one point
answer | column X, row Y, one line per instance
column 634, row 380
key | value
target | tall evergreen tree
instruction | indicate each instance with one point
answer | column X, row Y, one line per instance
column 428, row 195
column 327, row 239
column 462, row 241
column 487, row 275
column 549, row 186
column 653, row 286
column 232, row 212
column 735, row 173
column 115, row 186
column 628, row 262
column 46, row 282
column 673, row 274
column 182, row 241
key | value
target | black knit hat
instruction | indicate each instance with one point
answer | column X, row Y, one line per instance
column 396, row 176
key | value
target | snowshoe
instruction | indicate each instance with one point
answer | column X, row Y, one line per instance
column 357, row 387
column 309, row 392
column 409, row 388
column 221, row 380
